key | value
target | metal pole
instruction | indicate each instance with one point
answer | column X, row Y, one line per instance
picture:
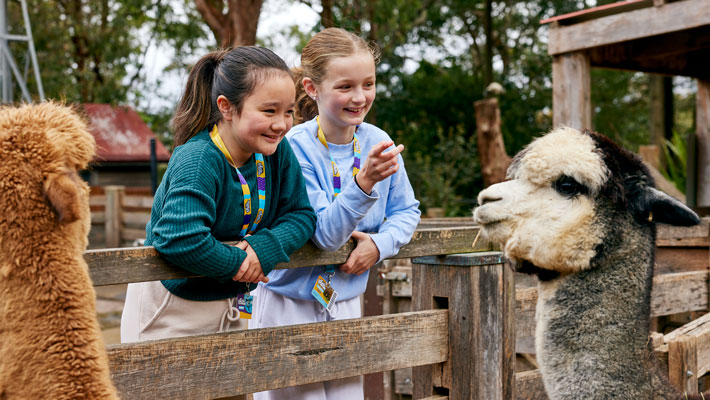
column 153, row 167
column 4, row 66
column 31, row 47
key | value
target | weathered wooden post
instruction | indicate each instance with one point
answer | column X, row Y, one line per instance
column 479, row 292
column 114, row 196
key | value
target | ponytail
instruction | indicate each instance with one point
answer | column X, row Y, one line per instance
column 196, row 110
column 232, row 73
column 306, row 107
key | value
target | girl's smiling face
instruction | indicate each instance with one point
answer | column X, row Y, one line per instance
column 346, row 93
column 265, row 118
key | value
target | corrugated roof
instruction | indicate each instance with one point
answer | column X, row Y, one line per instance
column 121, row 135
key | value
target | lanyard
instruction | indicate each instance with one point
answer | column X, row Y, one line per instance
column 330, row 269
column 336, row 173
column 260, row 182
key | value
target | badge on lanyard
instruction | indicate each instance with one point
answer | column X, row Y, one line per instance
column 324, row 293
column 244, row 303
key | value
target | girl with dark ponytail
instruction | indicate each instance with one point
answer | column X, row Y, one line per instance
column 231, row 177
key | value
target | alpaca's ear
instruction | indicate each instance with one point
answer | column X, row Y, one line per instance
column 668, row 210
column 63, row 193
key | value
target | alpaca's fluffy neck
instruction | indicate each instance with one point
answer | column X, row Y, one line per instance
column 592, row 327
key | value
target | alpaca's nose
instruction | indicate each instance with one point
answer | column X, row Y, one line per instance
column 487, row 196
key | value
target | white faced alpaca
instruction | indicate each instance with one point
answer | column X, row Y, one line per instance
column 579, row 212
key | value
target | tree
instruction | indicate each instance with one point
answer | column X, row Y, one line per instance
column 235, row 27
column 94, row 51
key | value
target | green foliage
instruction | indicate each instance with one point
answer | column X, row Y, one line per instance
column 94, row 52
column 620, row 100
column 676, row 157
column 448, row 175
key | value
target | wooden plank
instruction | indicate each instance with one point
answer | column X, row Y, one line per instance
column 480, row 303
column 702, row 133
column 677, row 233
column 113, row 215
column 571, row 98
column 676, row 53
column 227, row 364
column 681, row 259
column 529, row 386
column 700, row 330
column 683, row 364
column 680, row 292
column 138, row 201
column 141, row 264
column 631, row 25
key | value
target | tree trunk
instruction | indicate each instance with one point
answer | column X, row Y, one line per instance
column 235, row 28
column 491, row 150
column 326, row 16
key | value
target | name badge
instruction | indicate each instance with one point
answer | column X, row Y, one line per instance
column 244, row 303
column 324, row 293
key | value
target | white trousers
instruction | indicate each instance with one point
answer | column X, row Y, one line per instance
column 271, row 309
column 152, row 312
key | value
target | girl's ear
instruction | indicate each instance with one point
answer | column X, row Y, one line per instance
column 310, row 88
column 225, row 107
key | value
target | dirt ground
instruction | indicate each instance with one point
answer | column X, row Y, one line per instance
column 109, row 305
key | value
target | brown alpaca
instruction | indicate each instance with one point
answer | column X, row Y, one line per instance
column 50, row 342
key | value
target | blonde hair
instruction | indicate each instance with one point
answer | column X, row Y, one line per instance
column 324, row 46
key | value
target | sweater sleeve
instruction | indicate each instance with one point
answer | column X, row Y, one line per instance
column 337, row 219
column 402, row 215
column 182, row 233
column 295, row 220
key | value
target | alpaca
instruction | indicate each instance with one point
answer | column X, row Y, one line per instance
column 579, row 212
column 50, row 342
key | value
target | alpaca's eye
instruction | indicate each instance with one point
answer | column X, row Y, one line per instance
column 569, row 187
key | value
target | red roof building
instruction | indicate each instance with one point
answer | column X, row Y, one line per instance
column 122, row 146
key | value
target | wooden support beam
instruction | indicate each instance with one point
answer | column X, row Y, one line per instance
column 700, row 330
column 702, row 133
column 478, row 291
column 683, row 364
column 142, row 264
column 232, row 363
column 645, row 22
column 114, row 196
column 571, row 97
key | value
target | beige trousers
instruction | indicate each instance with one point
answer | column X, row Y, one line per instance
column 152, row 312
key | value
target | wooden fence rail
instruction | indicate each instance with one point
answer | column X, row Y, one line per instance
column 461, row 337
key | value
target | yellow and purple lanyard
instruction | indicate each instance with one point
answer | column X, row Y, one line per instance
column 330, row 269
column 260, row 183
column 336, row 173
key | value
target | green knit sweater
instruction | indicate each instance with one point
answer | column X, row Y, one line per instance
column 199, row 204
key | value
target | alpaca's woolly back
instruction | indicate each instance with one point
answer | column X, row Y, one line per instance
column 50, row 342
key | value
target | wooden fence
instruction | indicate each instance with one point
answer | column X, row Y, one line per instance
column 459, row 339
column 118, row 215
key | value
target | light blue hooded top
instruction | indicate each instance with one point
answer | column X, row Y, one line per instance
column 390, row 213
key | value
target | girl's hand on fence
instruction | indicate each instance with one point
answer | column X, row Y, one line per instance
column 250, row 270
column 378, row 165
column 363, row 257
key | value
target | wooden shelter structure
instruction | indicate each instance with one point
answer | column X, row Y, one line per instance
column 655, row 36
